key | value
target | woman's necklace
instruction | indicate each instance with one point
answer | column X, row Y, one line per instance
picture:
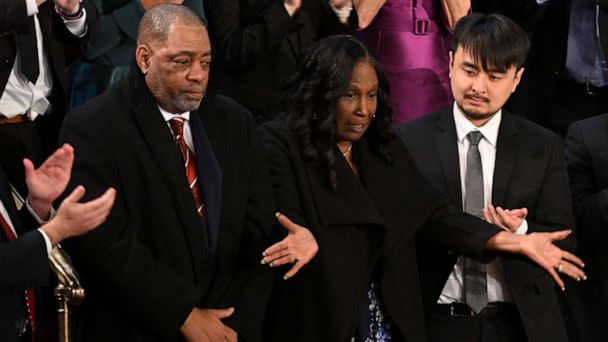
column 347, row 150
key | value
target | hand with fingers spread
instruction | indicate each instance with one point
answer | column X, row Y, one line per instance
column 75, row 218
column 298, row 248
column 205, row 325
column 539, row 248
column 47, row 182
column 509, row 220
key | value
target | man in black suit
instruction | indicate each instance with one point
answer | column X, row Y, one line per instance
column 482, row 157
column 37, row 40
column 178, row 258
column 587, row 156
column 24, row 250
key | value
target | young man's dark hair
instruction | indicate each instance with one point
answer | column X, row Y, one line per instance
column 495, row 41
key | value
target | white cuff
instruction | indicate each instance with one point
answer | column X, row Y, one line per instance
column 38, row 219
column 47, row 241
column 523, row 228
column 77, row 27
column 32, row 7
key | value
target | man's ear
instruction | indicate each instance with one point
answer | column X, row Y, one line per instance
column 451, row 62
column 143, row 53
column 518, row 75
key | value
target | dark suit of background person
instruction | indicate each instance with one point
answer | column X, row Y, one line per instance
column 24, row 264
column 587, row 155
column 153, row 260
column 37, row 139
column 529, row 172
column 259, row 45
column 108, row 54
column 554, row 98
column 367, row 223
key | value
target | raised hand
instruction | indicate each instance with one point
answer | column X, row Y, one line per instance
column 292, row 6
column 539, row 248
column 509, row 220
column 205, row 325
column 75, row 218
column 47, row 182
column 68, row 6
column 454, row 10
column 298, row 248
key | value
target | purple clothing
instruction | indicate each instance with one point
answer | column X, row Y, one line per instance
column 412, row 45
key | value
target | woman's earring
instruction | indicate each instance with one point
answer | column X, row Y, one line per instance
column 373, row 116
column 144, row 71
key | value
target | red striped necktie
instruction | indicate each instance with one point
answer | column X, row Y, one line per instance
column 177, row 126
column 29, row 293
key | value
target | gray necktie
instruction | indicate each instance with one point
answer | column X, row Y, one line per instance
column 475, row 279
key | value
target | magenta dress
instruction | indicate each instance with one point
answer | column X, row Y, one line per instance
column 411, row 42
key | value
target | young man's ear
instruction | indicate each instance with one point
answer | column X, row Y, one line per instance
column 518, row 75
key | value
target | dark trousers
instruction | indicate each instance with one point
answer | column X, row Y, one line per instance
column 495, row 323
column 18, row 141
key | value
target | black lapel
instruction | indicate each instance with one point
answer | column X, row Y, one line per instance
column 447, row 148
column 209, row 173
column 350, row 203
column 506, row 158
column 157, row 136
column 603, row 26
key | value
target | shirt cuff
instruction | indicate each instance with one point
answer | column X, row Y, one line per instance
column 47, row 242
column 523, row 228
column 77, row 27
column 35, row 216
column 31, row 7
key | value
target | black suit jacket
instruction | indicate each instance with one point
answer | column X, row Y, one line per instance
column 24, row 264
column 153, row 260
column 530, row 172
column 259, row 45
column 587, row 156
column 367, row 224
column 61, row 47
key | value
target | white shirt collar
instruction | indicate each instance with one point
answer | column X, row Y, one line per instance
column 168, row 116
column 489, row 131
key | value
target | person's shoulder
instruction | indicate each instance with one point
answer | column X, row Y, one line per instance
column 592, row 124
column 530, row 129
column 419, row 126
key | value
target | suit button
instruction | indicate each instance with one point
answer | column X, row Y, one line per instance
column 7, row 61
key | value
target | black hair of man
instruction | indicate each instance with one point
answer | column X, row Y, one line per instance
column 156, row 22
column 495, row 42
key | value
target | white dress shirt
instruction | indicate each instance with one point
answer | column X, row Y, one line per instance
column 187, row 132
column 497, row 289
column 22, row 96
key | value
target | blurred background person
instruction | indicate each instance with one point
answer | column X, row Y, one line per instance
column 260, row 41
column 38, row 39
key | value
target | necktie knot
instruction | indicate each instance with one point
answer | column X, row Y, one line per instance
column 474, row 137
column 177, row 126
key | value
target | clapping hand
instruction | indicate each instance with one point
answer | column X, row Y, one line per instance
column 298, row 248
column 68, row 6
column 509, row 220
column 47, row 182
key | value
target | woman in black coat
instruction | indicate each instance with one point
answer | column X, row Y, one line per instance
column 339, row 171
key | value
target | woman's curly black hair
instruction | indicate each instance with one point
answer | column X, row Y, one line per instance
column 311, row 95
